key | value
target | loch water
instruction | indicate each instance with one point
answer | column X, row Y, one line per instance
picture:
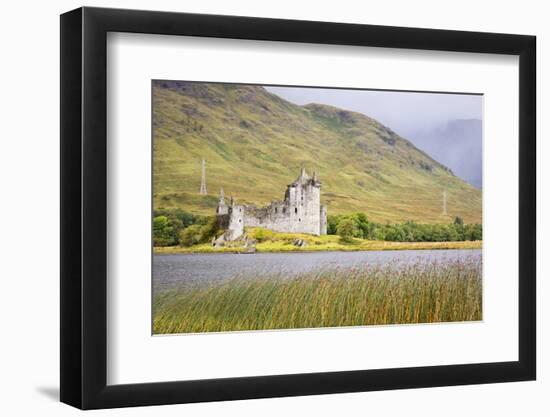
column 173, row 271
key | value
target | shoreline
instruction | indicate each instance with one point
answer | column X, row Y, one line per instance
column 366, row 246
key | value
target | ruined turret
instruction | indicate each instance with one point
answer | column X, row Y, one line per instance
column 315, row 180
column 230, row 218
column 222, row 207
column 302, row 179
column 300, row 211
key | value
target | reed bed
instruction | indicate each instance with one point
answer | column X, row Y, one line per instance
column 360, row 296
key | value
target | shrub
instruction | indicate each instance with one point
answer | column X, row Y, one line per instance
column 262, row 235
column 191, row 235
column 199, row 233
column 209, row 229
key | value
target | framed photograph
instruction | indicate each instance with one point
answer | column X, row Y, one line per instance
column 259, row 208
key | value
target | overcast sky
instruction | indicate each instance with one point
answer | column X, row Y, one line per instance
column 405, row 113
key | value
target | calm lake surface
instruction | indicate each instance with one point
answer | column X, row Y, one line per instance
column 172, row 271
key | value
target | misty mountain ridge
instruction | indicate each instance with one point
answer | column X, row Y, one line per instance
column 255, row 143
column 457, row 144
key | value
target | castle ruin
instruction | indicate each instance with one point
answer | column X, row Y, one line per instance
column 300, row 211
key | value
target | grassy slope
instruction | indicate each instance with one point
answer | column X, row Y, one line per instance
column 255, row 142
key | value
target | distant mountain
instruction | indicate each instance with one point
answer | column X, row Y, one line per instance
column 458, row 145
column 255, row 142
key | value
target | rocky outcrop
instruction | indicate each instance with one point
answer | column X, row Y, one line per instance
column 244, row 243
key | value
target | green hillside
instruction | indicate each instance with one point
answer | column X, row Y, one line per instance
column 254, row 143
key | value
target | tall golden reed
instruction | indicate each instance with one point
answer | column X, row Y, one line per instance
column 360, row 296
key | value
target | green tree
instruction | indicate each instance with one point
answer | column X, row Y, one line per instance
column 346, row 230
column 199, row 233
column 362, row 225
column 380, row 233
column 473, row 232
column 332, row 224
column 450, row 233
column 179, row 220
column 395, row 233
column 163, row 232
column 190, row 235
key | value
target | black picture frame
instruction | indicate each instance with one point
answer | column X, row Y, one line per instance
column 84, row 207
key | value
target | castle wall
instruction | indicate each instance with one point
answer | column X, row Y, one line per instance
column 300, row 212
column 323, row 224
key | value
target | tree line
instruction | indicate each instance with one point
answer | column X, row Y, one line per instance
column 357, row 225
column 173, row 227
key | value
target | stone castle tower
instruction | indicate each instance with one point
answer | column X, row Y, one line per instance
column 300, row 211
